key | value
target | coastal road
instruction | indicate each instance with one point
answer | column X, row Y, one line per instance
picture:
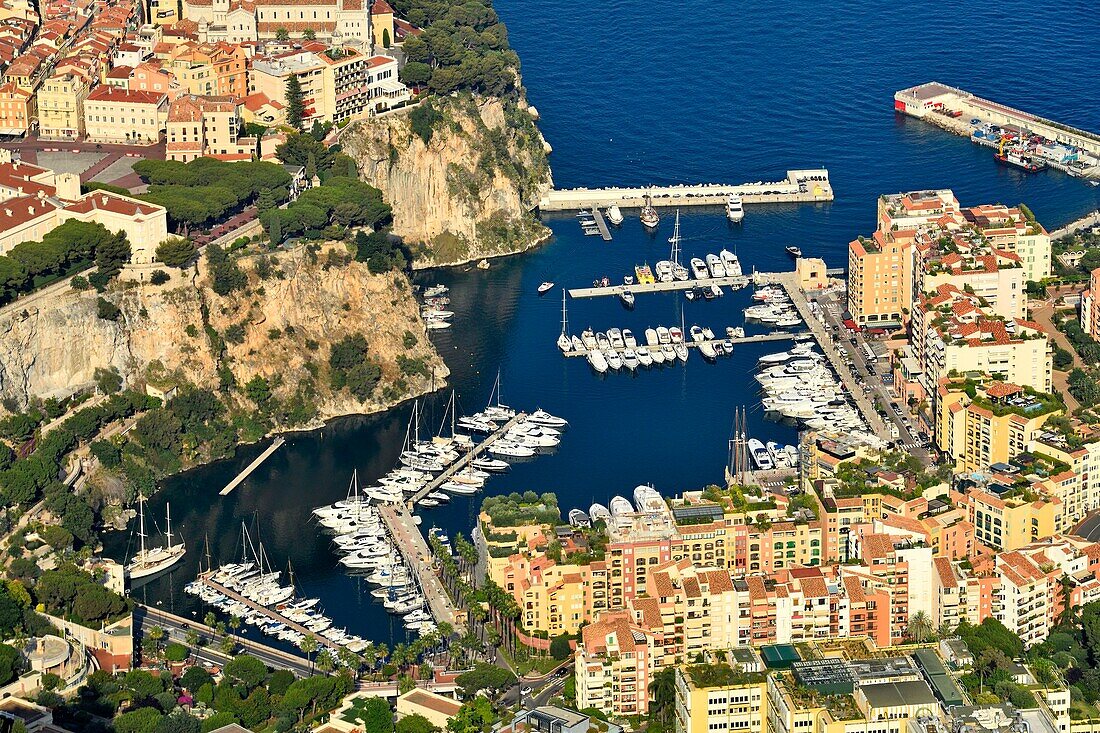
column 1089, row 528
column 176, row 628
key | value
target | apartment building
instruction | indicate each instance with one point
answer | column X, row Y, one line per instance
column 206, row 126
column 1089, row 309
column 898, row 570
column 17, row 108
column 613, row 666
column 980, row 421
column 718, row 698
column 61, row 106
column 113, row 115
column 1007, row 516
column 1008, row 229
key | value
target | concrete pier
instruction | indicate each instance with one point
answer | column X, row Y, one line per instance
column 738, row 281
column 275, row 445
column 418, row 557
column 464, row 460
column 800, row 186
column 754, row 339
column 601, row 224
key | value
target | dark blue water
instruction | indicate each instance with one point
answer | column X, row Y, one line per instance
column 632, row 94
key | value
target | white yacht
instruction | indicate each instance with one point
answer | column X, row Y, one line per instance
column 597, row 361
column 656, row 354
column 663, row 270
column 735, row 210
column 699, row 269
column 731, row 263
column 628, row 338
column 663, row 335
column 614, row 359
column 760, row 455
column 150, row 561
column 644, row 357
column 614, row 214
column 615, row 336
column 715, row 267
column 630, row 359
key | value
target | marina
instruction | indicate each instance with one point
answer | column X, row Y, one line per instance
column 275, row 445
column 637, row 288
column 414, row 549
column 800, row 186
column 758, row 338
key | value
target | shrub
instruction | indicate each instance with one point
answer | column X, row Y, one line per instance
column 159, row 277
column 107, row 310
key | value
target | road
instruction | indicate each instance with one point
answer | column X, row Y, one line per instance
column 1089, row 528
column 876, row 387
column 532, row 694
column 146, row 617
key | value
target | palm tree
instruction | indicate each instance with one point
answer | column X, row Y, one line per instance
column 920, row 628
column 157, row 635
column 192, row 638
column 234, row 623
column 210, row 619
column 309, row 645
column 662, row 692
column 325, row 661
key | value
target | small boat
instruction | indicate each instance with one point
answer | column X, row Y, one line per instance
column 630, row 359
column 644, row 357
column 735, row 211
column 490, row 464
column 597, row 360
column 614, row 360
column 627, row 298
column 676, row 335
column 794, row 251
column 651, row 337
column 656, row 354
column 664, row 271
column 692, row 293
column 483, row 265
column 615, row 336
column 716, row 291
column 680, row 350
column 664, row 336
column 545, row 287
column 649, row 216
column 614, row 215
column 645, row 275
column 628, row 338
column 434, row 290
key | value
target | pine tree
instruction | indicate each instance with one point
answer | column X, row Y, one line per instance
column 311, row 167
column 295, row 107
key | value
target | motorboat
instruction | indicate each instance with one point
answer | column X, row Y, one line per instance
column 630, row 359
column 656, row 354
column 453, row 487
column 708, row 292
column 664, row 271
column 716, row 291
column 545, row 419
column 578, row 518
column 597, row 360
column 735, row 332
column 680, row 350
column 670, row 354
column 578, row 345
column 696, row 334
column 492, row 465
column 735, row 210
column 615, row 336
column 676, row 335
column 614, row 214
column 760, row 455
column 692, row 293
column 679, row 272
column 699, row 269
column 508, row 448
column 731, row 263
column 614, row 360
column 651, row 337
column 628, row 338
column 714, row 266
column 545, row 287
column 588, row 338
column 664, row 336
column 627, row 298
column 794, row 251
column 434, row 290
column 644, row 358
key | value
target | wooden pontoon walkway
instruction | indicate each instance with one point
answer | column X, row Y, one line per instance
column 736, row 281
column 464, row 460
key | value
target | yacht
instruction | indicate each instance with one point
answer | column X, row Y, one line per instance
column 545, row 287
column 620, row 505
column 714, row 265
column 546, row 420
column 598, row 513
column 490, row 464
column 150, row 561
column 699, row 269
column 651, row 337
column 656, row 354
column 664, row 336
column 614, row 214
column 597, row 361
column 716, row 291
column 731, row 263
column 564, row 342
column 615, row 336
column 630, row 359
column 670, row 354
column 578, row 345
column 602, row 341
column 760, row 455
column 676, row 335
column 735, row 211
column 627, row 298
column 649, row 216
column 614, row 360
column 794, row 251
column 680, row 350
column 578, row 518
column 628, row 338
column 644, row 357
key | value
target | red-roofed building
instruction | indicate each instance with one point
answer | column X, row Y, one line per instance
column 206, row 126
column 16, row 109
column 114, row 115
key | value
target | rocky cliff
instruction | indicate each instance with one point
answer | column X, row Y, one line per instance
column 280, row 327
column 461, row 173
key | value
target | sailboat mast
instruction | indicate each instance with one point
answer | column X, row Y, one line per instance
column 141, row 522
column 675, row 239
column 564, row 321
column 168, row 513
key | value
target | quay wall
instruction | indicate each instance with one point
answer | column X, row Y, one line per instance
column 922, row 101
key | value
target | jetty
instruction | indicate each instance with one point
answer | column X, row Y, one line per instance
column 601, row 224
column 419, row 559
column 800, row 186
column 206, row 578
column 754, row 339
column 735, row 281
column 275, row 445
column 465, row 459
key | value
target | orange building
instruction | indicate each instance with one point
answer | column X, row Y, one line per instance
column 16, row 109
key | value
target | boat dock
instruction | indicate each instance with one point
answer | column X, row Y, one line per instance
column 207, row 579
column 275, row 445
column 800, row 186
column 738, row 281
column 465, row 460
column 418, row 557
column 601, row 224
column 954, row 109
column 755, row 339
column 832, row 350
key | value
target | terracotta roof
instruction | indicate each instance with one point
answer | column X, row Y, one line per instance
column 105, row 93
column 254, row 102
column 719, row 581
column 380, row 7
column 106, row 201
column 650, row 612
column 436, row 703
column 663, row 584
column 854, row 589
column 1003, row 389
column 814, row 587
column 945, row 571
column 19, row 211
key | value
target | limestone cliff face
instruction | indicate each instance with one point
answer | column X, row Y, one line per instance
column 280, row 327
column 468, row 191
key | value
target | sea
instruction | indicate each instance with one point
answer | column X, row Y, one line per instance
column 636, row 94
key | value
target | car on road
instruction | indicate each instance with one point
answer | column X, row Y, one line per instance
column 525, row 691
column 895, row 408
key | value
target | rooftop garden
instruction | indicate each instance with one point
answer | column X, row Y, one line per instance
column 516, row 510
column 840, row 707
column 722, row 675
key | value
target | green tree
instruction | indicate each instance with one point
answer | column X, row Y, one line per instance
column 142, row 720
column 9, row 663
column 559, row 647
column 662, row 695
column 282, row 35
column 176, row 251
column 159, row 277
column 246, row 670
column 112, row 254
column 920, row 628
column 107, row 310
column 376, row 716
column 176, row 652
column 415, row 74
column 295, row 102
column 386, row 37
column 415, row 723
column 108, row 381
column 309, row 34
column 178, row 721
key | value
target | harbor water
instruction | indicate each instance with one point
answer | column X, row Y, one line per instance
column 723, row 93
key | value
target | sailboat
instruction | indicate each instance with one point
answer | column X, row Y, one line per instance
column 564, row 342
column 679, row 272
column 149, row 561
